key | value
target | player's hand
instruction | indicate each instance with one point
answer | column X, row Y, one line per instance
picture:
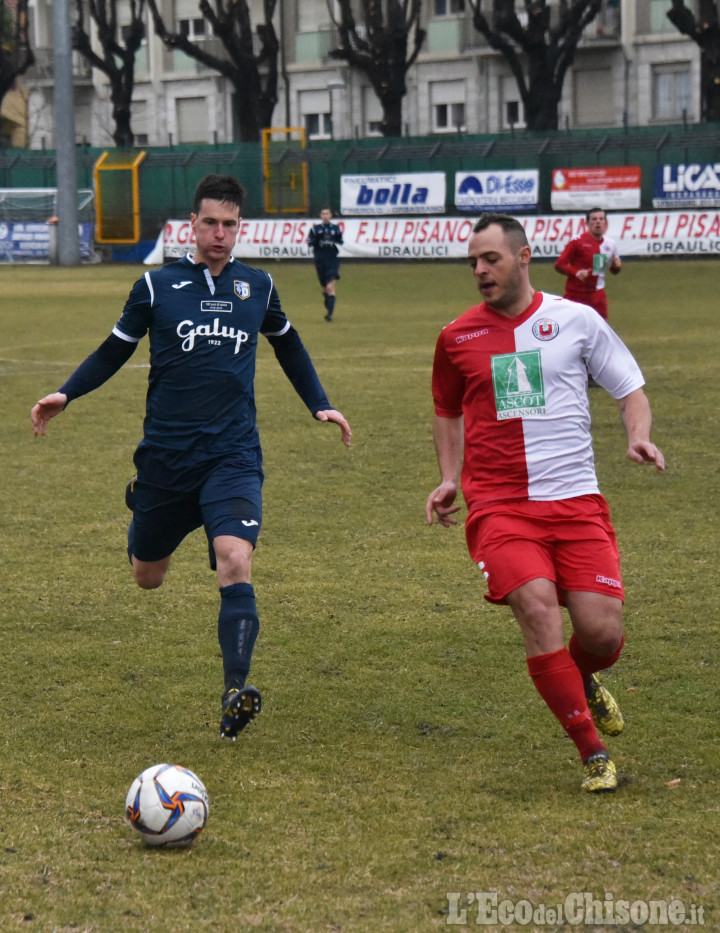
column 647, row 452
column 338, row 418
column 440, row 503
column 583, row 274
column 46, row 409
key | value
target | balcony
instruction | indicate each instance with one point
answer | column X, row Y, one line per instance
column 452, row 35
column 177, row 62
column 313, row 48
column 44, row 68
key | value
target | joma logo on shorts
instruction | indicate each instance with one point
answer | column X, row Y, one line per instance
column 189, row 332
column 607, row 581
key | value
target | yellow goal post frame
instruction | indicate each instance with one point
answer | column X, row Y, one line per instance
column 117, row 197
column 285, row 180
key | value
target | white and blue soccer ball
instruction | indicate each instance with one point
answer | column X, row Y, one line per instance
column 167, row 805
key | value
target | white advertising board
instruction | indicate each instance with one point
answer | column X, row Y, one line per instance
column 669, row 233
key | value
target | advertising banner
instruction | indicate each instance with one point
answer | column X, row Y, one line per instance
column 612, row 188
column 683, row 186
column 28, row 241
column 380, row 195
column 670, row 233
column 497, row 191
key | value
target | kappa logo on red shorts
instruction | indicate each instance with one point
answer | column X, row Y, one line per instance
column 608, row 581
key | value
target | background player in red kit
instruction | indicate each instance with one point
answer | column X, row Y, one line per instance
column 585, row 261
column 511, row 411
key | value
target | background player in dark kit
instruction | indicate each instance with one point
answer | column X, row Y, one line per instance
column 324, row 239
column 200, row 461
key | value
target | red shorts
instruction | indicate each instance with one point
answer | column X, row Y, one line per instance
column 596, row 300
column 569, row 541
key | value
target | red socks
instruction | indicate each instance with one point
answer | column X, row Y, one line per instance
column 559, row 682
column 590, row 663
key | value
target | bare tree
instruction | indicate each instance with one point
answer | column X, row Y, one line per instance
column 705, row 31
column 253, row 75
column 115, row 56
column 16, row 56
column 540, row 53
column 382, row 48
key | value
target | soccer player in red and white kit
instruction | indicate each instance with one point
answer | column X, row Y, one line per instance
column 512, row 426
column 586, row 260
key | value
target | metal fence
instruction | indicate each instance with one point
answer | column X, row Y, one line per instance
column 168, row 176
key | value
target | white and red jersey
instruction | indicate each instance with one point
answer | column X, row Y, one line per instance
column 609, row 251
column 521, row 386
column 585, row 252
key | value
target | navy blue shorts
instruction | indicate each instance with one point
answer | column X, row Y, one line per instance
column 224, row 496
column 328, row 269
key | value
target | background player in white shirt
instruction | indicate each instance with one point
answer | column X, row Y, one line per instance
column 511, row 413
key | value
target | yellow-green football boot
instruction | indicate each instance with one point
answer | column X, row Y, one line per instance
column 603, row 706
column 600, row 774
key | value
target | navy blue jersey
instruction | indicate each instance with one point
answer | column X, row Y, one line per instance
column 324, row 240
column 203, row 339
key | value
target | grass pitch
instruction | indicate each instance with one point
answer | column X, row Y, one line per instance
column 402, row 761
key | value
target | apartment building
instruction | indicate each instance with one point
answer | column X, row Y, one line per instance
column 632, row 67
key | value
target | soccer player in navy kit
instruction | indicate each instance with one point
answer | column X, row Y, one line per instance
column 324, row 239
column 200, row 461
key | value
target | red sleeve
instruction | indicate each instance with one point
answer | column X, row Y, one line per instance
column 565, row 262
column 448, row 384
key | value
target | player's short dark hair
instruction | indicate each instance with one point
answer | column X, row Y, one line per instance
column 326, row 207
column 594, row 210
column 219, row 188
column 511, row 227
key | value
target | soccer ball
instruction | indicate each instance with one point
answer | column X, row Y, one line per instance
column 167, row 805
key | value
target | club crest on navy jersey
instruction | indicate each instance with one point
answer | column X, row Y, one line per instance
column 242, row 290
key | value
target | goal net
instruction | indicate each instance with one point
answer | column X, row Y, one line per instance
column 38, row 205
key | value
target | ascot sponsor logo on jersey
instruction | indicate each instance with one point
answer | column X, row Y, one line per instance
column 518, row 385
column 188, row 330
column 545, row 329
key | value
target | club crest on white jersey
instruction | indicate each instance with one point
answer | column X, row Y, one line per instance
column 545, row 329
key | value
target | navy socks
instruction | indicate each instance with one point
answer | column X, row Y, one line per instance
column 238, row 627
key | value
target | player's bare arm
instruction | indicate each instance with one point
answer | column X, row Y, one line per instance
column 45, row 409
column 332, row 415
column 637, row 419
column 448, row 439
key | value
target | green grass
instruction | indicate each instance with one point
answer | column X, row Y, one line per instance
column 402, row 752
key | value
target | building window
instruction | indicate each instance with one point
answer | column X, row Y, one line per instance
column 374, row 128
column 513, row 111
column 193, row 28
column 192, row 120
column 126, row 31
column 589, row 107
column 672, row 89
column 659, row 23
column 318, row 125
column 449, row 7
column 449, row 118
